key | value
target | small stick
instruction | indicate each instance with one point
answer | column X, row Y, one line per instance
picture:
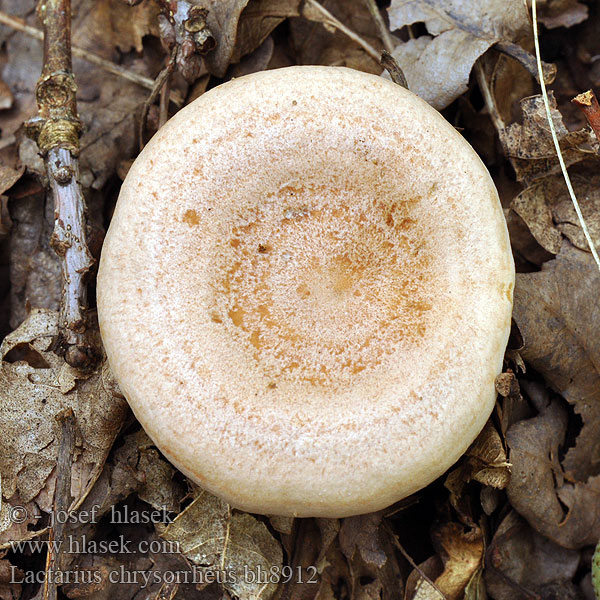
column 390, row 64
column 490, row 103
column 20, row 25
column 161, row 79
column 413, row 564
column 331, row 20
column 62, row 500
column 386, row 36
column 56, row 131
column 588, row 104
column 165, row 94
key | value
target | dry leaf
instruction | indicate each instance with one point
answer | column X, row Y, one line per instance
column 110, row 24
column 561, row 13
column 258, row 20
column 485, row 461
column 460, row 554
column 35, row 385
column 9, row 575
column 530, row 147
column 538, row 490
column 548, row 211
column 558, row 314
column 223, row 17
column 35, row 272
column 438, row 68
column 532, row 207
column 316, row 42
column 8, row 178
column 217, row 539
column 519, row 555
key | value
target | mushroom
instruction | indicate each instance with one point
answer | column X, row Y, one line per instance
column 305, row 292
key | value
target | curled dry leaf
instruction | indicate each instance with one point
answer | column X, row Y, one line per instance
column 35, row 385
column 216, row 538
column 561, row 13
column 368, row 547
column 538, row 489
column 485, row 461
column 548, row 211
column 558, row 314
column 223, row 17
column 519, row 556
column 437, row 68
column 530, row 147
column 258, row 20
column 457, row 565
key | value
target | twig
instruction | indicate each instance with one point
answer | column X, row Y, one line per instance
column 62, row 500
column 20, row 25
column 588, row 104
column 56, row 131
column 412, row 563
column 536, row 41
column 165, row 93
column 490, row 103
column 386, row 36
column 329, row 19
column 528, row 61
column 389, row 63
column 162, row 78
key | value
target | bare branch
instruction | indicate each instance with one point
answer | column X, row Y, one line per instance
column 56, row 131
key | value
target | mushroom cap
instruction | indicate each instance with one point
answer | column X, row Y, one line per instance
column 305, row 292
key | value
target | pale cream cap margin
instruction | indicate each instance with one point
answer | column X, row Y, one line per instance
column 242, row 158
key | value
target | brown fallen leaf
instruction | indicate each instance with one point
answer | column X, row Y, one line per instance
column 548, row 211
column 315, row 41
column 519, row 556
column 361, row 533
column 218, row 539
column 10, row 575
column 368, row 547
column 35, row 385
column 35, row 272
column 127, row 25
column 532, row 207
column 457, row 565
column 530, row 147
column 258, row 20
column 556, row 310
column 562, row 13
column 485, row 462
column 223, row 17
column 567, row 513
column 437, row 68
